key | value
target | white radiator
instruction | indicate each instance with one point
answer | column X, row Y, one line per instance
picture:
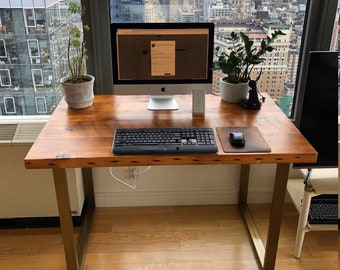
column 30, row 193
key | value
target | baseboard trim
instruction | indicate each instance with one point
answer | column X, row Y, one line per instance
column 38, row 222
column 144, row 198
column 177, row 197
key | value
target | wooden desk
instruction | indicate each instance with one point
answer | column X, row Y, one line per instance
column 83, row 138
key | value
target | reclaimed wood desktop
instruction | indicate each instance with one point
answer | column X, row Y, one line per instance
column 83, row 139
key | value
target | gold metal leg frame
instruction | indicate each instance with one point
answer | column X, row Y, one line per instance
column 266, row 255
column 73, row 253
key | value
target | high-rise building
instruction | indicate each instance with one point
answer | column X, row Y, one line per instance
column 127, row 11
column 273, row 70
column 218, row 10
column 187, row 15
column 33, row 55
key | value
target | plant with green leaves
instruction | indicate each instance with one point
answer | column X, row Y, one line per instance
column 241, row 57
column 76, row 50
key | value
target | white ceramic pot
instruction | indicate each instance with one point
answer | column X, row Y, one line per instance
column 233, row 93
column 78, row 96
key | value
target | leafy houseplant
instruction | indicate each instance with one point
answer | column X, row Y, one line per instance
column 242, row 56
column 76, row 44
column 78, row 86
column 240, row 61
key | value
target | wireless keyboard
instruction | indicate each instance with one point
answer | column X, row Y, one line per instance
column 164, row 141
column 324, row 209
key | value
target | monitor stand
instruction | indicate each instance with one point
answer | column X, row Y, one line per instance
column 162, row 103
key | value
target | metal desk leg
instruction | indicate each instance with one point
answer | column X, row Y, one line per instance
column 279, row 193
column 63, row 201
column 244, row 181
column 266, row 256
column 87, row 215
column 250, row 223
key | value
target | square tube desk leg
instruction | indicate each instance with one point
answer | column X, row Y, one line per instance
column 266, row 256
column 64, row 208
column 279, row 194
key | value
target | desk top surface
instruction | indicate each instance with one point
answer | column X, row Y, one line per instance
column 83, row 138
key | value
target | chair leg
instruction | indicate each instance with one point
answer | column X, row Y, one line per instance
column 303, row 220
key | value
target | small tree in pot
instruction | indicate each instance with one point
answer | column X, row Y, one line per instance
column 240, row 59
column 78, row 86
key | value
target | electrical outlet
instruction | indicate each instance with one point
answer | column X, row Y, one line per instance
column 133, row 172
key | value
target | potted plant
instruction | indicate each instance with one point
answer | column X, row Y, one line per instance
column 78, row 86
column 237, row 63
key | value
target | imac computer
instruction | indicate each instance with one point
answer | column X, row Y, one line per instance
column 162, row 60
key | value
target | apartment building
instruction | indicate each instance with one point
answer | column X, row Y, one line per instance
column 273, row 77
column 127, row 11
column 33, row 55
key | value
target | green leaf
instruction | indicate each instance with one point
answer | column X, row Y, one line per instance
column 270, row 49
column 75, row 8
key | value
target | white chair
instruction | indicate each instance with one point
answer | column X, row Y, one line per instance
column 319, row 181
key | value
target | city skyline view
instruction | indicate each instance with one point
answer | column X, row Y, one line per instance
column 256, row 18
column 33, row 43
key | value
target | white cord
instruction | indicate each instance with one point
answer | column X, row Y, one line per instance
column 139, row 173
column 134, row 174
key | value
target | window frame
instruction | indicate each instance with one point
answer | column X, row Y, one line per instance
column 9, row 77
column 43, row 104
column 31, row 56
column 3, row 41
column 33, row 70
column 13, row 103
column 25, row 18
column 317, row 36
column 99, row 44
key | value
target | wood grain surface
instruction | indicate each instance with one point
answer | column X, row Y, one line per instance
column 83, row 138
column 170, row 238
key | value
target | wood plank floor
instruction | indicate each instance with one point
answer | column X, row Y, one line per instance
column 174, row 237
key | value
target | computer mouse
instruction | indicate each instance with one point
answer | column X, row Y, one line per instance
column 237, row 138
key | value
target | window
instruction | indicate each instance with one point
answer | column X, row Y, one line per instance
column 5, row 78
column 254, row 17
column 9, row 105
column 33, row 47
column 37, row 77
column 32, row 38
column 40, row 103
column 29, row 17
column 3, row 52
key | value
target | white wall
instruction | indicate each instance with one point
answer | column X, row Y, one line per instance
column 182, row 185
column 30, row 193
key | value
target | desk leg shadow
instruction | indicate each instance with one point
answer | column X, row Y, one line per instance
column 266, row 255
column 74, row 253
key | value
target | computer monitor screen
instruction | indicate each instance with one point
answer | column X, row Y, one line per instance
column 162, row 60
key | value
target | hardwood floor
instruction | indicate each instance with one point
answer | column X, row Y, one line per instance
column 171, row 238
